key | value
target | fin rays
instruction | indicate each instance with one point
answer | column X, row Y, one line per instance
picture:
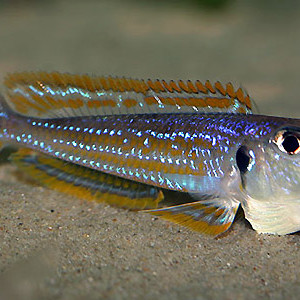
column 48, row 95
column 213, row 216
column 86, row 183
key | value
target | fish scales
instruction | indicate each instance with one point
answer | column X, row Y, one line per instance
column 152, row 149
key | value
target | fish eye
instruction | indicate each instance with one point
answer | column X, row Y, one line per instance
column 288, row 142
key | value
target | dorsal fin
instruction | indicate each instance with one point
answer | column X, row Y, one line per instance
column 48, row 95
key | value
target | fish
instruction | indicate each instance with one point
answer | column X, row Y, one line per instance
column 130, row 143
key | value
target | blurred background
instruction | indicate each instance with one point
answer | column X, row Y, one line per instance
column 255, row 44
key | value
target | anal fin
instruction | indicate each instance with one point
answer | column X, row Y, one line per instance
column 213, row 216
column 86, row 183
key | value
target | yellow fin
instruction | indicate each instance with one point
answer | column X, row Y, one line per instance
column 57, row 95
column 212, row 217
column 86, row 183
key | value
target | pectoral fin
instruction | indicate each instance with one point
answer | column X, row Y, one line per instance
column 212, row 217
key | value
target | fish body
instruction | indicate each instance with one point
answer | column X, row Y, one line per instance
column 223, row 159
column 171, row 151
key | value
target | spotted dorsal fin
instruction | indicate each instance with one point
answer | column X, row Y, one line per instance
column 212, row 217
column 48, row 95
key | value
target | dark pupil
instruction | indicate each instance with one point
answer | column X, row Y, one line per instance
column 242, row 159
column 290, row 144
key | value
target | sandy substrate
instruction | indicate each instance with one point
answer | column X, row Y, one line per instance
column 56, row 247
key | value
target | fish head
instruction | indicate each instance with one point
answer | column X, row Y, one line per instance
column 270, row 173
